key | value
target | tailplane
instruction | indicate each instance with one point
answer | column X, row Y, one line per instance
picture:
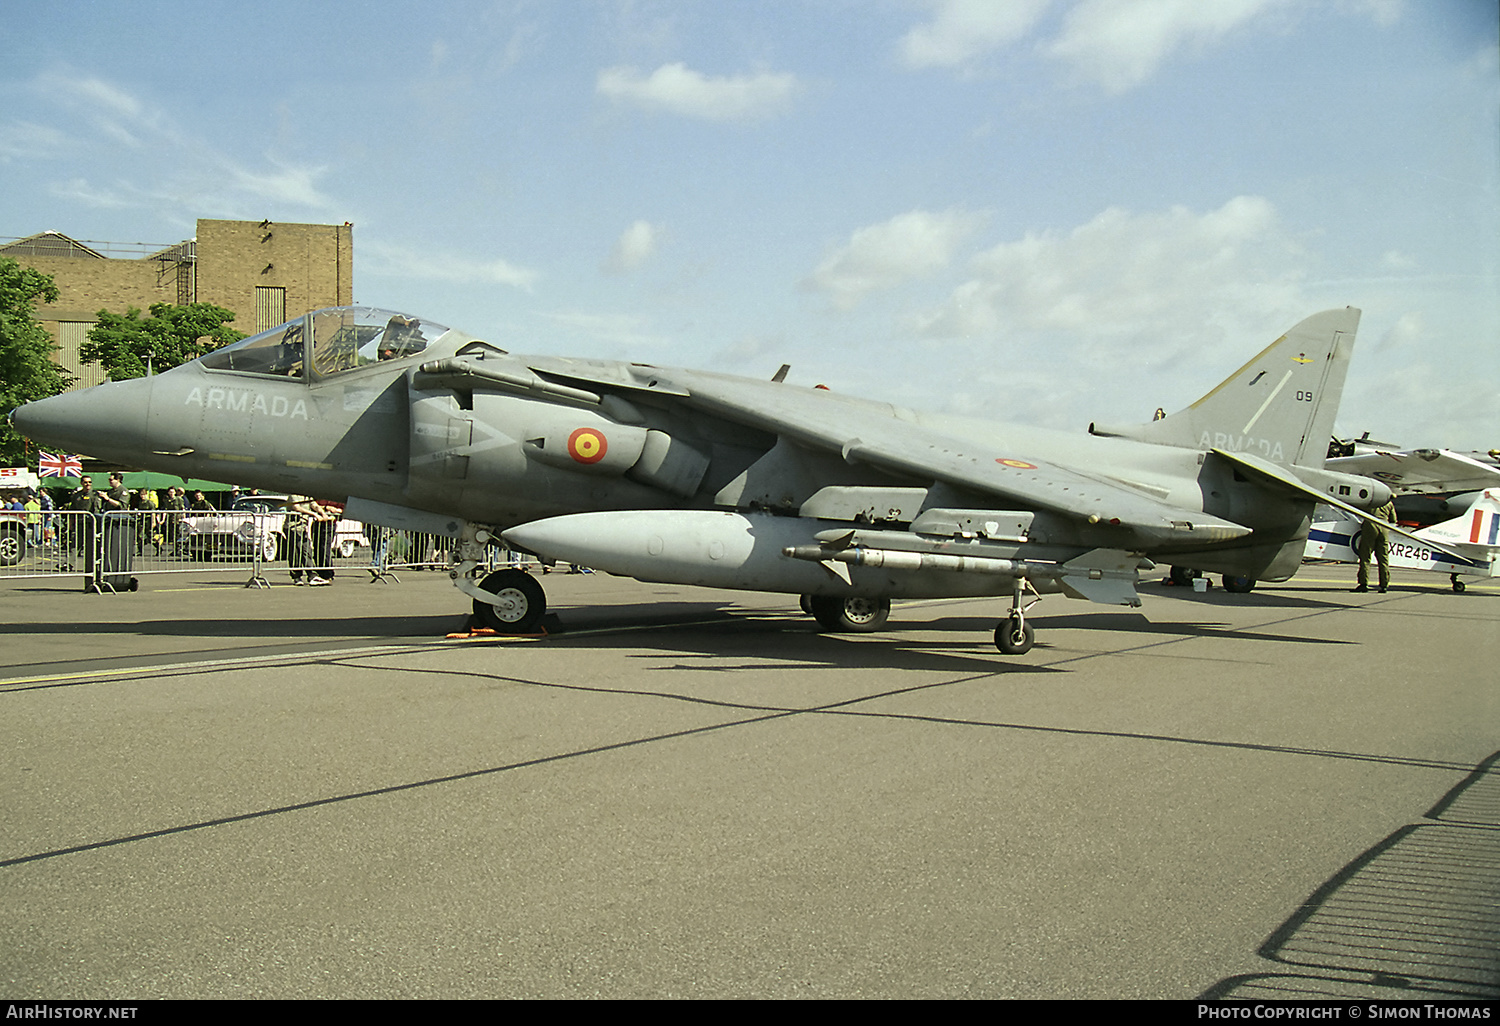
column 1280, row 406
column 1476, row 532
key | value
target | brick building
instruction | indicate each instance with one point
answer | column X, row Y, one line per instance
column 265, row 271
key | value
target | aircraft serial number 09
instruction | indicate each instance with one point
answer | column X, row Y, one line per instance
column 1304, row 397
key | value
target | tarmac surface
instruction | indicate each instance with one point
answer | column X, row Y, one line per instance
column 218, row 792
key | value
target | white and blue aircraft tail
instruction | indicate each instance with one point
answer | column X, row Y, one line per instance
column 1471, row 541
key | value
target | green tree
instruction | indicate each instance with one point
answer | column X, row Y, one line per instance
column 26, row 368
column 126, row 346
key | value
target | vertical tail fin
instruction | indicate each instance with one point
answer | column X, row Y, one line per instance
column 1280, row 406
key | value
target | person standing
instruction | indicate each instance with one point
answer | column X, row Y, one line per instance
column 299, row 550
column 173, row 508
column 33, row 508
column 324, row 526
column 1372, row 541
column 118, row 552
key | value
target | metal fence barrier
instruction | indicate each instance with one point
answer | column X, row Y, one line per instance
column 109, row 551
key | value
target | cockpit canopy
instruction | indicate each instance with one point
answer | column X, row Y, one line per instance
column 328, row 342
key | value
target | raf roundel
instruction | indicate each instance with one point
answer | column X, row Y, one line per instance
column 586, row 445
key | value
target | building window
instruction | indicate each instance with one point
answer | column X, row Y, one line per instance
column 270, row 307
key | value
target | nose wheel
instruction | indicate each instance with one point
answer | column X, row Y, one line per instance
column 518, row 604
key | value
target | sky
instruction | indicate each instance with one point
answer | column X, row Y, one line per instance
column 1039, row 211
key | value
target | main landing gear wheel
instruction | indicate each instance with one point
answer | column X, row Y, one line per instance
column 853, row 615
column 1238, row 585
column 519, row 605
column 1182, row 575
column 1014, row 636
column 1458, row 586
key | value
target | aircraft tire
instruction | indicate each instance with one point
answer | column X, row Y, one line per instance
column 520, row 602
column 1239, row 585
column 1458, row 586
column 806, row 602
column 855, row 614
column 1183, row 575
column 1011, row 641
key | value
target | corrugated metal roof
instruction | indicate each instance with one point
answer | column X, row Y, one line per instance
column 50, row 244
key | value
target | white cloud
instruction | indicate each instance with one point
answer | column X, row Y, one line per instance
column 625, row 334
column 1385, row 12
column 285, row 184
column 962, row 30
column 27, row 141
column 635, row 246
column 882, row 256
column 384, row 260
column 1158, row 277
column 79, row 190
column 1121, row 43
column 677, row 89
column 112, row 111
column 1408, row 330
column 155, row 161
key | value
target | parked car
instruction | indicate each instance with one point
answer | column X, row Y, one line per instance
column 12, row 537
column 255, row 523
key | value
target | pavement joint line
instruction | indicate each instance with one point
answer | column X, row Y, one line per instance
column 208, row 664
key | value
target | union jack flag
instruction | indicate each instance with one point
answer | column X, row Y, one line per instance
column 59, row 465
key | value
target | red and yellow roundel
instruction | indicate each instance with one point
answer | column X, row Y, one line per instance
column 1018, row 464
column 586, row 445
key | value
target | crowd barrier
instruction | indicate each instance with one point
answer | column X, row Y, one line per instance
column 108, row 551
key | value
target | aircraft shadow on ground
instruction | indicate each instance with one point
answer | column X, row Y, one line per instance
column 722, row 635
column 1413, row 917
column 733, row 638
column 1266, row 598
column 1137, row 623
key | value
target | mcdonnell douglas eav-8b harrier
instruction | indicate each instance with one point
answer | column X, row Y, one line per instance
column 689, row 477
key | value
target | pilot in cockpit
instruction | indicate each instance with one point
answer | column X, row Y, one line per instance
column 288, row 358
column 403, row 336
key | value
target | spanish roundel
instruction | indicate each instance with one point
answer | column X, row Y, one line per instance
column 587, row 445
column 1017, row 464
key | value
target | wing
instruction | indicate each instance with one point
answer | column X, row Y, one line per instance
column 889, row 439
column 1420, row 470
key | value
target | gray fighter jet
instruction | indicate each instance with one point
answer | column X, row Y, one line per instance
column 690, row 477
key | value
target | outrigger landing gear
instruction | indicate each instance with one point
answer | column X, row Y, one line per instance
column 1013, row 635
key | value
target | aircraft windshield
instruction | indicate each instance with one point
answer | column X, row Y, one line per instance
column 330, row 342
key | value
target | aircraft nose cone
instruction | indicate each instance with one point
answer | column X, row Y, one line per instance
column 107, row 421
